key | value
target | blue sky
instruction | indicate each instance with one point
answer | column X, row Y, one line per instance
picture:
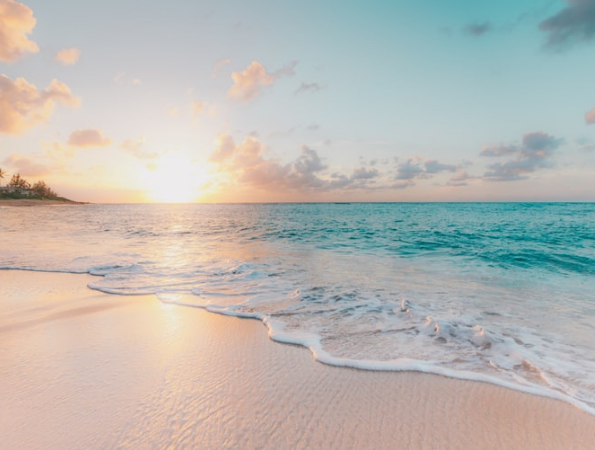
column 300, row 101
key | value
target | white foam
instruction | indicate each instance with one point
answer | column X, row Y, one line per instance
column 277, row 332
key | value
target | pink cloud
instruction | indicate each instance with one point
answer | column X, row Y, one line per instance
column 22, row 106
column 248, row 83
column 247, row 165
column 590, row 117
column 16, row 22
column 135, row 148
column 68, row 56
column 25, row 166
column 88, row 138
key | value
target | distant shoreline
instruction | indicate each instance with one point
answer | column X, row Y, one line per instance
column 36, row 202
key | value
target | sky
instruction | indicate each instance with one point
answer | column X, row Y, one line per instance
column 285, row 101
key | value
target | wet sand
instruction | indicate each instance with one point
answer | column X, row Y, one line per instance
column 80, row 369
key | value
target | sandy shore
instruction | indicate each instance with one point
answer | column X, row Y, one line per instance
column 79, row 369
column 35, row 202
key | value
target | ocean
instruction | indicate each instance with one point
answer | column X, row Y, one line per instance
column 495, row 292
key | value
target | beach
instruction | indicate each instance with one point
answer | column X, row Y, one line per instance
column 82, row 369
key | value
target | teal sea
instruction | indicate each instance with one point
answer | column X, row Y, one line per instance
column 495, row 292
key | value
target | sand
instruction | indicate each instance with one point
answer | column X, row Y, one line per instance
column 81, row 369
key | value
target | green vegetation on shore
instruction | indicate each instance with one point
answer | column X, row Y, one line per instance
column 20, row 189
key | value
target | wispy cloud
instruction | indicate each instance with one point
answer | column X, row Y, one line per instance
column 590, row 117
column 123, row 78
column 248, row 83
column 460, row 179
column 498, row 150
column 57, row 151
column 218, row 67
column 22, row 106
column 535, row 153
column 90, row 137
column 575, row 23
column 198, row 107
column 25, row 166
column 478, row 28
column 135, row 148
column 308, row 87
column 68, row 56
column 586, row 144
column 432, row 166
column 16, row 22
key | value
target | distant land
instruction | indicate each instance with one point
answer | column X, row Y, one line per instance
column 19, row 192
column 37, row 202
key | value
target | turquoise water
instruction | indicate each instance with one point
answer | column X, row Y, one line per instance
column 498, row 292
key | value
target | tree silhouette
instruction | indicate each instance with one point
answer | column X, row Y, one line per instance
column 18, row 182
column 2, row 173
column 43, row 190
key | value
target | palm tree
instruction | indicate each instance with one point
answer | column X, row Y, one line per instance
column 2, row 173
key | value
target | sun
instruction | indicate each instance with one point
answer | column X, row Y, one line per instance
column 175, row 178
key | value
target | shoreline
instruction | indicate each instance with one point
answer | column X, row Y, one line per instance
column 29, row 202
column 87, row 369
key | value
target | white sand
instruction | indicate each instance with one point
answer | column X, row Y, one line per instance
column 79, row 369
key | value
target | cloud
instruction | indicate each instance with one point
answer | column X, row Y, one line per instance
column 134, row 147
column 247, row 165
column 498, row 150
column 88, row 138
column 478, row 29
column 68, row 56
column 308, row 87
column 218, row 65
column 534, row 153
column 248, row 83
column 590, row 117
column 433, row 166
column 410, row 170
column 586, row 145
column 460, row 179
column 575, row 23
column 225, row 148
column 416, row 169
column 16, row 22
column 25, row 166
column 121, row 78
column 22, row 106
column 286, row 71
column 364, row 173
column 198, row 107
column 58, row 151
column 308, row 162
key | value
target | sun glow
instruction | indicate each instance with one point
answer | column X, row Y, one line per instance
column 175, row 179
